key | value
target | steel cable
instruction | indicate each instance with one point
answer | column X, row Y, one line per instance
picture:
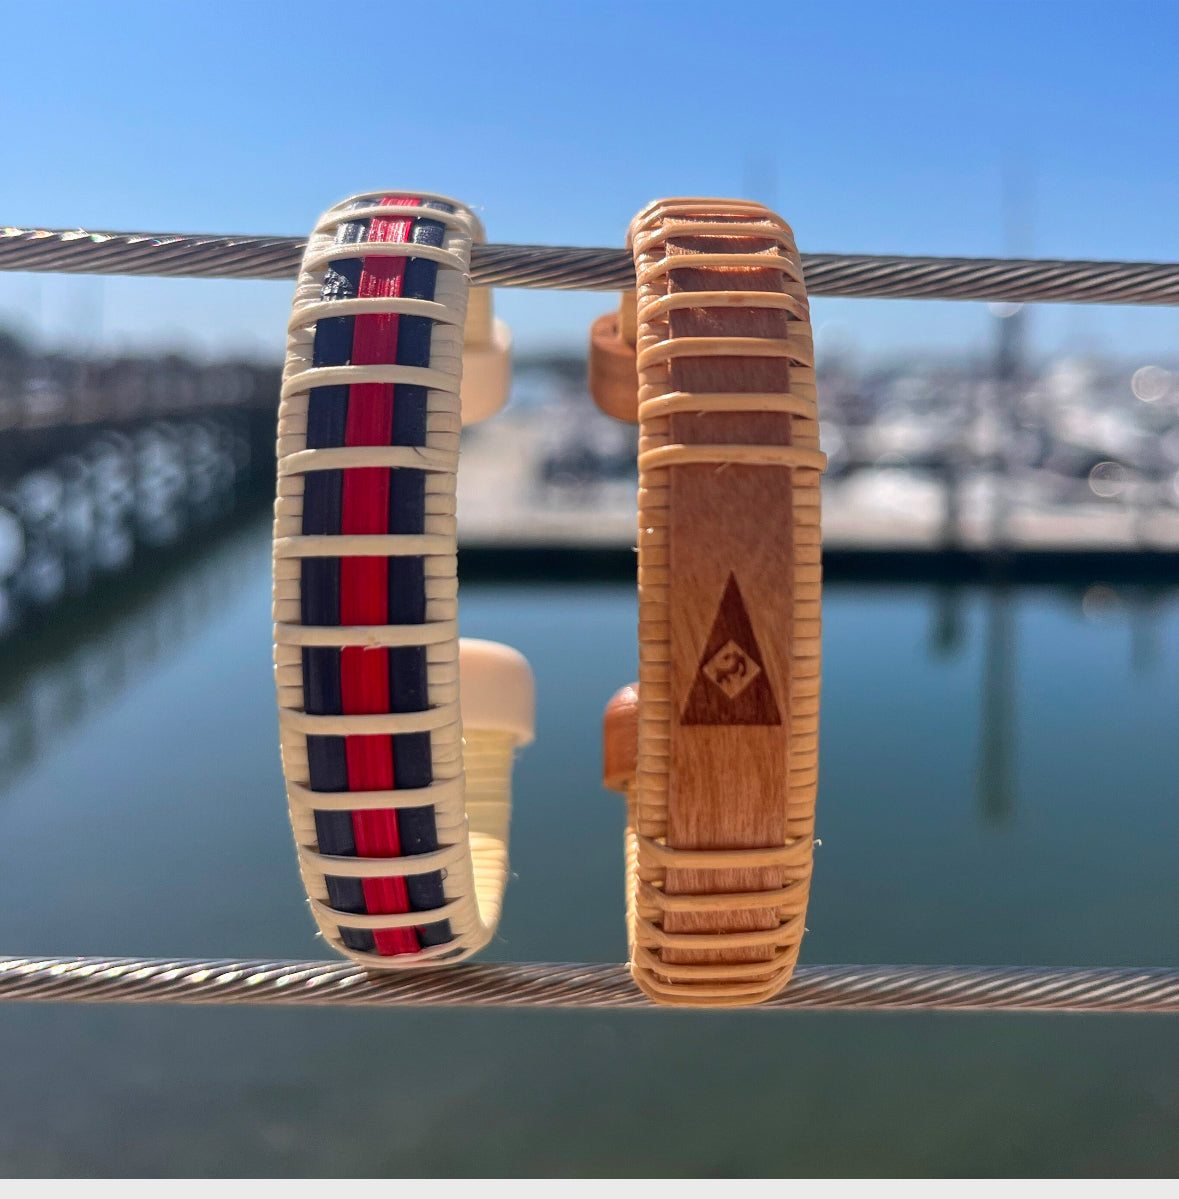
column 581, row 269
column 932, row 988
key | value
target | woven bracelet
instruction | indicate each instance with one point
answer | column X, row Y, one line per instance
column 717, row 746
column 381, row 745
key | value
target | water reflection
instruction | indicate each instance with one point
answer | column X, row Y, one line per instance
column 995, row 777
column 1143, row 610
column 947, row 626
column 68, row 519
column 1146, row 615
column 64, row 673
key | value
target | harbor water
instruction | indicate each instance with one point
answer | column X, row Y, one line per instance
column 998, row 786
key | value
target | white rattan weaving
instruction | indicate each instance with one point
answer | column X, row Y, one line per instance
column 472, row 851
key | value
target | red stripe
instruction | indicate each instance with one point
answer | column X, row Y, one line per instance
column 364, row 582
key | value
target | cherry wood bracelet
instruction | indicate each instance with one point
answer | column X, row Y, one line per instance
column 717, row 746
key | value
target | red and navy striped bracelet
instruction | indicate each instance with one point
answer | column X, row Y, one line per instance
column 379, row 746
column 372, row 590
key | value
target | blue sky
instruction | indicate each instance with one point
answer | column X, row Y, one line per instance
column 881, row 127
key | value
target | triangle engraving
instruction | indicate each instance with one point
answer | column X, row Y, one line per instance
column 731, row 685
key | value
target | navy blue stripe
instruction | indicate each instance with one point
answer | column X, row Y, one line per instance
column 412, row 763
column 414, row 333
column 327, row 419
column 322, row 504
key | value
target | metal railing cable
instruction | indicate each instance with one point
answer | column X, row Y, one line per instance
column 568, row 985
column 200, row 255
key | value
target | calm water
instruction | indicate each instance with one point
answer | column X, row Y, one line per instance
column 999, row 785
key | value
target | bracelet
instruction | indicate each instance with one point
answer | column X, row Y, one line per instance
column 384, row 750
column 717, row 746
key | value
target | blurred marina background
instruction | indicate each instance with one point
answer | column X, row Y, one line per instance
column 1001, row 622
column 995, row 455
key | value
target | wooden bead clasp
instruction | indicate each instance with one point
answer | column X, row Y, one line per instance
column 613, row 375
column 620, row 739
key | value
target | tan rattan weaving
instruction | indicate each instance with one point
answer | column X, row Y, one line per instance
column 724, row 727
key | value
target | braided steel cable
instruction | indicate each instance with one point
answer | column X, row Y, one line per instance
column 1022, row 280
column 580, row 269
column 930, row 988
column 79, row 251
column 560, row 268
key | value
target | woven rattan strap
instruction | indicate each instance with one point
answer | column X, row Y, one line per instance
column 721, row 813
column 372, row 740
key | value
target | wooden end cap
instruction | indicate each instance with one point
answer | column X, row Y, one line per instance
column 620, row 738
column 613, row 376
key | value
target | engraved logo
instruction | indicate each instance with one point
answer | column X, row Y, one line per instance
column 732, row 669
column 731, row 686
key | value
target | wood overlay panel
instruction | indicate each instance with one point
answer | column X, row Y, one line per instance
column 729, row 577
column 729, row 534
